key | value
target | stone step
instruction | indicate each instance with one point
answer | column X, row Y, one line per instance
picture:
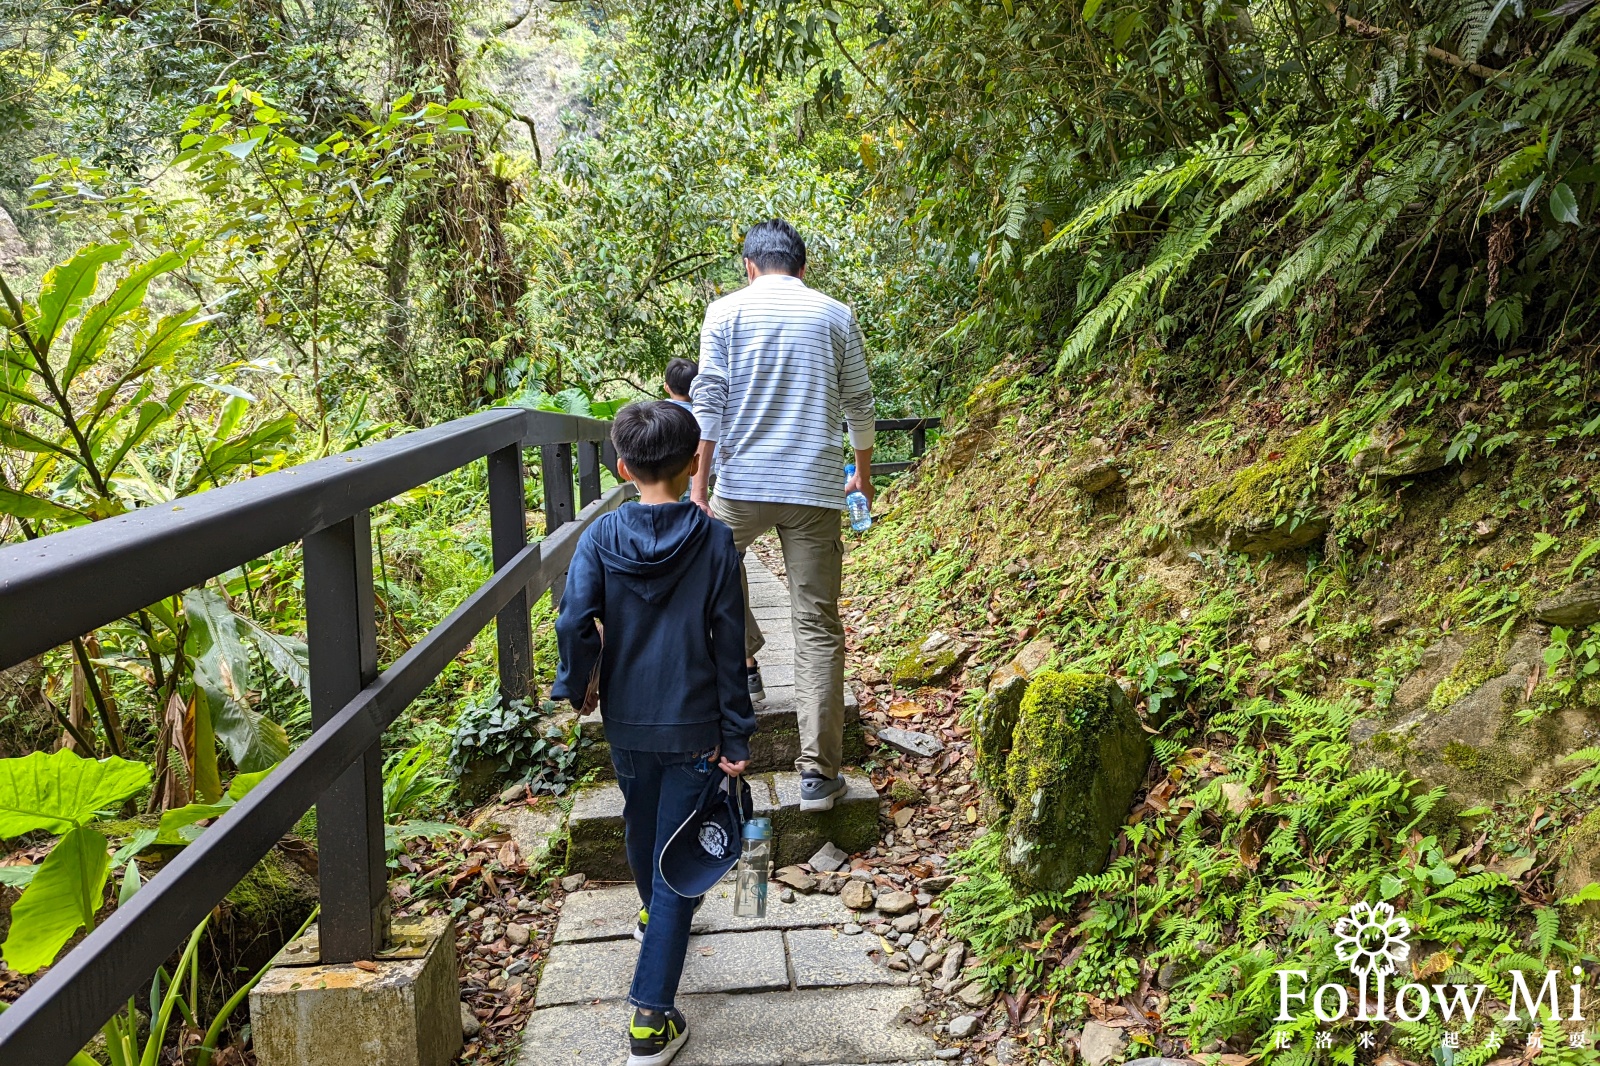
column 594, row 828
column 775, row 745
column 807, row 1027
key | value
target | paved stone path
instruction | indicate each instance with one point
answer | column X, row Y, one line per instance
column 785, row 990
column 790, row 989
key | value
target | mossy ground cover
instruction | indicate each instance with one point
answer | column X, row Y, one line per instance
column 1251, row 669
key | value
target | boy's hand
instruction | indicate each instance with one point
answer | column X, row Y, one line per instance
column 732, row 769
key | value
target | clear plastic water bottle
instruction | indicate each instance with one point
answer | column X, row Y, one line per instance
column 755, row 862
column 857, row 504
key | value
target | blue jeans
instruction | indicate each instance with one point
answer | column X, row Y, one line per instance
column 659, row 791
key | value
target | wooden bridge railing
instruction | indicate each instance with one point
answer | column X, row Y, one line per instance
column 68, row 584
column 918, row 428
column 65, row 585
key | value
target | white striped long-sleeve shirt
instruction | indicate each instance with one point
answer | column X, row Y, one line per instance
column 780, row 363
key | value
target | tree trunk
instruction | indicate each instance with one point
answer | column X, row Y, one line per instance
column 462, row 213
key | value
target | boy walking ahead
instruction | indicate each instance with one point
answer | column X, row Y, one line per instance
column 663, row 581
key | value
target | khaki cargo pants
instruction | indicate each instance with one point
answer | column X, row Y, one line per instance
column 813, row 555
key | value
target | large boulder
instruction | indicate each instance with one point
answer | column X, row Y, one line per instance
column 1078, row 756
column 994, row 726
column 1455, row 723
column 1575, row 606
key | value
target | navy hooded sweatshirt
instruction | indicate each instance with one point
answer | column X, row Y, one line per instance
column 663, row 579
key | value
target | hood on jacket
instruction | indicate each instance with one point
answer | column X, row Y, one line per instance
column 648, row 547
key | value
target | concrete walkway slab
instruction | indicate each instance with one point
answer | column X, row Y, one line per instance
column 610, row 913
column 808, row 1028
column 826, row 958
column 722, row 962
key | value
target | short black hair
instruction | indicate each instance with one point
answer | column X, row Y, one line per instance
column 680, row 375
column 775, row 245
column 656, row 438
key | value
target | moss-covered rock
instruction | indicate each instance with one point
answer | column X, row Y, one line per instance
column 1574, row 606
column 994, row 724
column 1580, row 862
column 930, row 663
column 1078, row 756
column 1458, row 727
column 1415, row 452
column 1269, row 506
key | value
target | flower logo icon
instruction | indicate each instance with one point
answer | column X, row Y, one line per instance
column 1372, row 939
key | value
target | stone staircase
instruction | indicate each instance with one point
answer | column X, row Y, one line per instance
column 594, row 827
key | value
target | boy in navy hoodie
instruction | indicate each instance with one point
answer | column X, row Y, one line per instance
column 662, row 580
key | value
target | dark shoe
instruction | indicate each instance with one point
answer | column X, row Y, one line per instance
column 753, row 676
column 818, row 793
column 656, row 1046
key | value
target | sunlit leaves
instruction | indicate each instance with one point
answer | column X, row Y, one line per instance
column 57, row 791
column 63, row 897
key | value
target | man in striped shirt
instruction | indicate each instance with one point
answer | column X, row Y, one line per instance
column 780, row 363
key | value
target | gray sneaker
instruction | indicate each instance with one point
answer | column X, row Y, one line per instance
column 818, row 793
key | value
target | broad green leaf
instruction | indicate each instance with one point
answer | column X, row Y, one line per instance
column 64, row 897
column 287, row 655
column 1090, row 9
column 17, row 876
column 242, row 149
column 207, row 779
column 174, row 822
column 61, row 790
column 95, row 331
column 222, row 679
column 1564, row 205
column 14, row 436
column 65, row 288
column 21, row 505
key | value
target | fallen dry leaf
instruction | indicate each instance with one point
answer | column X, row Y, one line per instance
column 365, row 964
column 906, row 709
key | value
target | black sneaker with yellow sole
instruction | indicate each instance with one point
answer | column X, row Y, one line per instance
column 655, row 1039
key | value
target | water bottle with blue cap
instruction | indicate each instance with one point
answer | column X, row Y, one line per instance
column 857, row 504
column 755, row 863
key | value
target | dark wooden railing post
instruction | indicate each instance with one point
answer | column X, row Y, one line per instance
column 555, row 462
column 508, row 535
column 608, row 458
column 919, row 440
column 342, row 637
column 588, row 472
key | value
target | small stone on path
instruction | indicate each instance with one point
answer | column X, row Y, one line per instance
column 910, row 742
column 953, row 958
column 903, row 816
column 787, row 895
column 918, row 951
column 851, row 929
column 828, row 858
column 470, row 1025
column 963, row 1026
column 896, row 903
column 796, row 878
column 947, row 1054
column 857, row 895
column 908, row 923
column 976, row 995
column 573, row 882
column 517, row 935
column 1100, row 1044
column 936, row 885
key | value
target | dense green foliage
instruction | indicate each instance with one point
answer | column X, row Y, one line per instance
column 1309, row 243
